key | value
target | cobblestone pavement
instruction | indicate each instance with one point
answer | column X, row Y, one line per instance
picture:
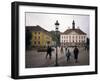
column 38, row 59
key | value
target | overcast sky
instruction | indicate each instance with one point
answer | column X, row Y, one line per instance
column 47, row 21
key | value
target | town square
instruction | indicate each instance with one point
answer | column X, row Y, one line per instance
column 50, row 48
column 38, row 59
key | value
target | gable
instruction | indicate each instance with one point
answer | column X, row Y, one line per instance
column 73, row 33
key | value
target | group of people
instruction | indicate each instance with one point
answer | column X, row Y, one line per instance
column 75, row 52
column 67, row 53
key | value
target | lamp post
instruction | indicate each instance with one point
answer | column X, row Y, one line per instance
column 56, row 30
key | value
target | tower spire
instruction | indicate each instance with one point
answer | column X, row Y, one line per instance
column 73, row 24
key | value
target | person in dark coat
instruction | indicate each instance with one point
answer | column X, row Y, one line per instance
column 68, row 54
column 49, row 50
column 76, row 52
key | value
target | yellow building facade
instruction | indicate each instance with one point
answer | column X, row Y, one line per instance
column 41, row 38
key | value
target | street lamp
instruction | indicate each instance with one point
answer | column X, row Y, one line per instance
column 56, row 29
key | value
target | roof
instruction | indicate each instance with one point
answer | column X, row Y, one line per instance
column 79, row 31
column 37, row 29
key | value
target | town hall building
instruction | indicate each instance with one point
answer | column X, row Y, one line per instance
column 73, row 37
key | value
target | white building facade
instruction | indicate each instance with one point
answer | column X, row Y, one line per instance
column 73, row 37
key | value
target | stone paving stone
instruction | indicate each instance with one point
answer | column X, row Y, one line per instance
column 38, row 59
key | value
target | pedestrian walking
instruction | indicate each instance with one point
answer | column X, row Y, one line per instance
column 76, row 53
column 49, row 52
column 61, row 50
column 68, row 54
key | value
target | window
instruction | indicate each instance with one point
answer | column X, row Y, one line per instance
column 34, row 42
column 79, row 41
column 35, row 32
column 69, row 36
column 76, row 40
column 39, row 33
column 62, row 40
column 81, row 37
column 73, row 37
column 66, row 37
column 62, row 37
column 84, row 37
column 35, row 37
column 76, row 37
column 38, row 42
column 39, row 37
column 69, row 40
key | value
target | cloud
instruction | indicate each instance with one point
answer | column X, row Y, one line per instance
column 47, row 21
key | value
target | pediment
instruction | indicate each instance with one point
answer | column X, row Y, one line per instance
column 73, row 33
